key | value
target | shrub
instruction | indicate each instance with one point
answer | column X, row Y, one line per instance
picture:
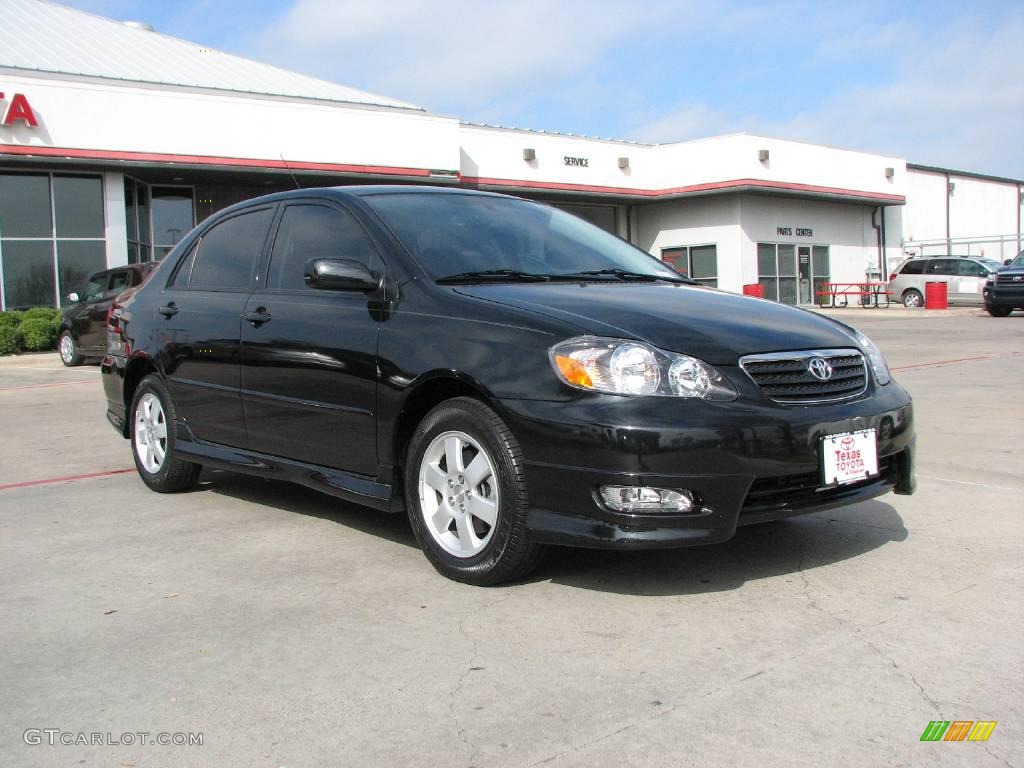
column 38, row 333
column 10, row 319
column 43, row 313
column 10, row 340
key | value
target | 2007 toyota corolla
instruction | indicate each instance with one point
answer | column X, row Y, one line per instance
column 506, row 373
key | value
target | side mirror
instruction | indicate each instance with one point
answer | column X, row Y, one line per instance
column 341, row 275
column 73, row 297
column 1007, row 262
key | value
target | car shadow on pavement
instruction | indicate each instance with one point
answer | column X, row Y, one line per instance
column 306, row 501
column 755, row 552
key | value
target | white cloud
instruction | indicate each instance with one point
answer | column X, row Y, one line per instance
column 429, row 50
column 954, row 100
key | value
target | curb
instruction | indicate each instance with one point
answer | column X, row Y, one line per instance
column 32, row 360
column 900, row 313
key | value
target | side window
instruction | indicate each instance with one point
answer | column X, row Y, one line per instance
column 970, row 268
column 941, row 267
column 118, row 282
column 226, row 253
column 314, row 231
column 915, row 267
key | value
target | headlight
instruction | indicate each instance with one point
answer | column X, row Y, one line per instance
column 875, row 358
column 620, row 367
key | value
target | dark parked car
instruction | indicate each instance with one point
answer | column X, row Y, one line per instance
column 506, row 373
column 1004, row 290
column 83, row 329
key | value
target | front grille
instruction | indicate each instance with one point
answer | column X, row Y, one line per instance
column 1010, row 279
column 785, row 377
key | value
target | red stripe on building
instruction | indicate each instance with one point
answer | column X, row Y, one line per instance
column 212, row 160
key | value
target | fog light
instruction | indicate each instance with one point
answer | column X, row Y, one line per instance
column 630, row 498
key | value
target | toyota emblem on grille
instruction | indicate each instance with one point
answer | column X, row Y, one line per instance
column 819, row 368
column 1018, row 277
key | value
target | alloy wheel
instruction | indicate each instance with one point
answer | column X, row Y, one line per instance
column 150, row 433
column 458, row 493
column 67, row 349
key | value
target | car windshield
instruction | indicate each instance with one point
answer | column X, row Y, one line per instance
column 989, row 264
column 458, row 236
column 94, row 288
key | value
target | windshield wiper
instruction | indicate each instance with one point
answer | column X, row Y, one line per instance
column 625, row 274
column 510, row 275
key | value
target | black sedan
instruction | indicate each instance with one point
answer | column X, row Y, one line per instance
column 507, row 374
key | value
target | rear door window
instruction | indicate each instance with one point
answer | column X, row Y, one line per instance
column 941, row 267
column 227, row 252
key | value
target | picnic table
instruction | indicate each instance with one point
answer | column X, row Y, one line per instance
column 868, row 294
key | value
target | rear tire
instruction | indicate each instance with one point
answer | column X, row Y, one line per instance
column 465, row 489
column 912, row 298
column 151, row 424
column 999, row 311
column 68, row 348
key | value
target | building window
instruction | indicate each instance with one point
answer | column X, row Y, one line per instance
column 157, row 218
column 699, row 262
column 173, row 217
column 51, row 236
column 136, row 211
column 792, row 274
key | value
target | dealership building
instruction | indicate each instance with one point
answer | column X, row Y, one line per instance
column 115, row 140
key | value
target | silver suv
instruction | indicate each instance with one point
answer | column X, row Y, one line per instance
column 964, row 276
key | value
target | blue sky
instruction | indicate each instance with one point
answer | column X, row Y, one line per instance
column 939, row 83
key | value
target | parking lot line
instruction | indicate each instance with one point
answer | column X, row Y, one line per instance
column 43, row 386
column 939, row 363
column 65, row 479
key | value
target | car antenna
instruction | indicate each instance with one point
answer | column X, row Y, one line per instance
column 294, row 180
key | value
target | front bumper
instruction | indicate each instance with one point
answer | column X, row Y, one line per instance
column 1004, row 294
column 747, row 462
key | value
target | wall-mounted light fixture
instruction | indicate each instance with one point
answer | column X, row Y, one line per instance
column 529, row 154
column 890, row 172
column 762, row 155
column 623, row 162
column 951, row 187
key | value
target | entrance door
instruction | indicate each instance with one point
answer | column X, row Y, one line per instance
column 804, row 254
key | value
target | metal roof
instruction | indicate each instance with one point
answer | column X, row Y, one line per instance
column 41, row 36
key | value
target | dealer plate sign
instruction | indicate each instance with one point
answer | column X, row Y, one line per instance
column 849, row 457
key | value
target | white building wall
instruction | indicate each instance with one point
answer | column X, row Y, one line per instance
column 88, row 114
column 698, row 221
column 984, row 215
column 846, row 229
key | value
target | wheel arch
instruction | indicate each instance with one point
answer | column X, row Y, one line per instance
column 429, row 391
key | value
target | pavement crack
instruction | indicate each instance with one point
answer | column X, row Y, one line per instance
column 598, row 739
column 1007, row 763
column 471, row 666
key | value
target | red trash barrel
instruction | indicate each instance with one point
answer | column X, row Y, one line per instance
column 754, row 289
column 936, row 295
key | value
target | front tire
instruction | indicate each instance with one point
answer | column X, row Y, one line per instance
column 913, row 299
column 999, row 311
column 465, row 489
column 152, row 437
column 69, row 354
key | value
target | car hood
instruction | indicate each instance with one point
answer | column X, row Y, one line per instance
column 712, row 325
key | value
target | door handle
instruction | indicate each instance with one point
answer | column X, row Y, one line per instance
column 168, row 310
column 258, row 317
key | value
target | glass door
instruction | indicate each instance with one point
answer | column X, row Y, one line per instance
column 804, row 259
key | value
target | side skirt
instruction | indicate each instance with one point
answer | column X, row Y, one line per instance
column 358, row 489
